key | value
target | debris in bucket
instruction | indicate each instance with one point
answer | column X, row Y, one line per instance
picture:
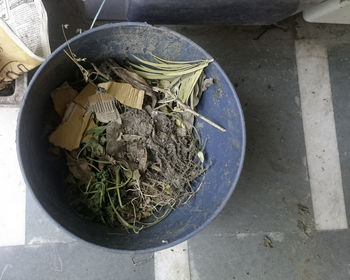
column 131, row 146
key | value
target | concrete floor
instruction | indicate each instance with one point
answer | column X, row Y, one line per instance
column 274, row 179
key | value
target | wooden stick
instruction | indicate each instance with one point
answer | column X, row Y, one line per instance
column 188, row 108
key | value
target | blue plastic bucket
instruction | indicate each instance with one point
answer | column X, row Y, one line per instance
column 219, row 103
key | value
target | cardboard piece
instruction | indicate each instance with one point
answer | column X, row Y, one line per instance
column 68, row 134
column 125, row 93
column 83, row 98
column 104, row 107
column 61, row 97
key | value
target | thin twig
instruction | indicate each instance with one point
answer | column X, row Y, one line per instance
column 65, row 38
column 188, row 108
column 117, row 183
column 99, row 73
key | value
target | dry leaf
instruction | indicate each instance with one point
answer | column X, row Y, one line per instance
column 201, row 156
column 268, row 242
column 187, row 85
column 125, row 93
column 180, row 123
column 130, row 137
column 303, row 209
column 178, row 109
column 143, row 161
column 167, row 70
column 136, row 175
column 305, row 227
column 164, row 84
column 136, row 77
column 188, row 120
column 138, row 154
column 207, row 83
column 80, row 169
column 114, row 143
column 202, row 85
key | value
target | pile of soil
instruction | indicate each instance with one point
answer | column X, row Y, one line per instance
column 162, row 158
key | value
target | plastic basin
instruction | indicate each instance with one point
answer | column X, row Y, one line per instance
column 46, row 179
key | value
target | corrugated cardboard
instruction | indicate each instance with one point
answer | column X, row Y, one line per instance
column 69, row 133
column 62, row 96
column 125, row 93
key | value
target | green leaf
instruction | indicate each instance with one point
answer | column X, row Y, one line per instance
column 148, row 74
column 156, row 67
column 96, row 130
column 159, row 65
column 187, row 86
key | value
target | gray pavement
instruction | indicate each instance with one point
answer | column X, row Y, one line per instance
column 339, row 64
column 273, row 182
